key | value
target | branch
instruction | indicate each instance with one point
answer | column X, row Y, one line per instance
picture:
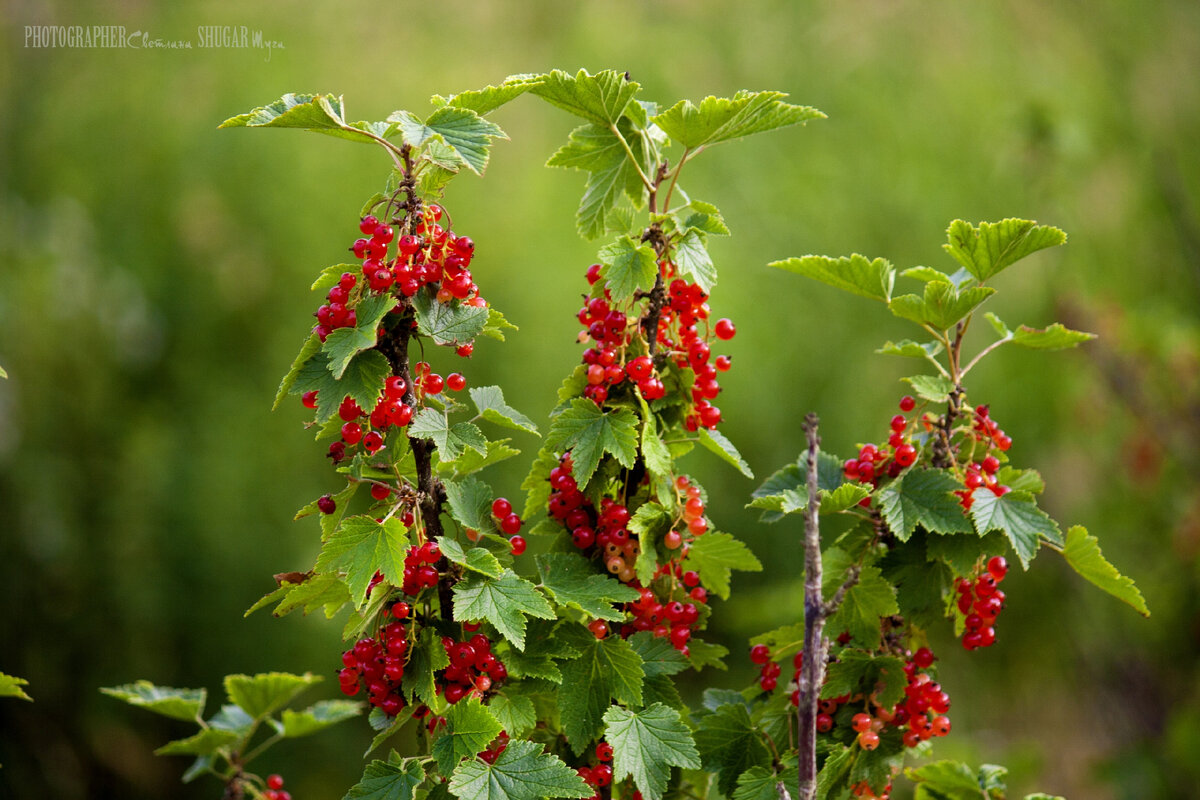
column 812, row 673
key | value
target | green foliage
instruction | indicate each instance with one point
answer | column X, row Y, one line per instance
column 10, row 686
column 589, row 432
column 489, row 401
column 522, row 772
column 571, row 581
column 185, row 704
column 394, row 779
column 1082, row 552
column 470, row 727
column 628, row 267
column 361, row 547
column 729, row 745
column 503, row 601
column 646, row 744
column 986, row 249
column 721, row 119
column 715, row 555
column 606, row 669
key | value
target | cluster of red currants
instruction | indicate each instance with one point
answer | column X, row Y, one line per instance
column 986, row 429
column 863, row 790
column 493, row 750
column 473, row 669
column 613, row 332
column 875, row 462
column 981, row 600
column 275, row 790
column 378, row 665
column 430, row 255
column 419, row 570
column 769, row 670
column 600, row 775
column 335, row 312
column 980, row 473
column 509, row 523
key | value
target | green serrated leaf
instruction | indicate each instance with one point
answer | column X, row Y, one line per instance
column 1055, row 337
column 185, row 704
column 607, row 669
column 835, row 771
column 1017, row 516
column 516, row 713
column 450, row 323
column 911, row 349
column 489, row 400
column 598, row 150
column 471, row 462
column 855, row 672
column 714, row 555
column 721, row 119
column 588, row 432
column 10, row 686
column 388, row 780
column 600, row 98
column 923, row 497
column 327, row 591
column 504, row 602
column 848, row 495
column 693, row 261
column 1082, row 552
column 522, row 772
column 855, row 274
column 935, row 388
column 922, row 581
column 361, row 547
column 232, row 718
column 994, row 246
column 460, row 129
column 470, row 504
column 496, row 325
column 646, row 744
column 659, row 656
column 321, row 113
column 451, row 440
column 266, row 692
column 730, row 745
column 946, row 780
column 658, row 457
column 998, row 325
column 650, row 522
column 707, row 654
column 571, row 581
column 477, row 559
column 311, row 346
column 344, row 344
column 362, row 379
column 470, row 728
column 317, row 717
column 489, row 98
column 942, row 306
column 425, row 657
column 629, row 265
column 717, row 442
column 863, row 606
column 205, row 743
column 704, row 217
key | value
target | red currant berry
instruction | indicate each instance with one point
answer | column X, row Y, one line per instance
column 510, row 524
column 326, row 504
column 275, row 782
column 599, row 628
column 368, row 224
column 309, row 399
column 501, row 508
column 760, row 654
column 868, row 740
column 455, row 382
column 861, row 722
column 907, row 403
column 401, row 610
column 518, row 545
column 997, row 567
column 724, row 329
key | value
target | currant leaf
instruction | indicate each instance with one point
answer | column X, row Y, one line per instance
column 185, row 704
column 1082, row 552
column 589, row 433
column 923, row 497
column 388, row 780
column 873, row 279
column 522, row 772
column 721, row 119
column 1017, row 516
column 470, row 728
column 571, row 581
column 646, row 744
column 503, row 601
column 489, row 400
column 361, row 547
column 266, row 692
column 990, row 247
column 729, row 745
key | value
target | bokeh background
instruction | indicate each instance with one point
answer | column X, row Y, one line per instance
column 153, row 288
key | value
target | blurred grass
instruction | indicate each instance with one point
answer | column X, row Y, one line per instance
column 153, row 285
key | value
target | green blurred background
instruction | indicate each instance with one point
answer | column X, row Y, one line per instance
column 153, row 288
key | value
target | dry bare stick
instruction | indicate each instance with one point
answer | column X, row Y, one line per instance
column 816, row 611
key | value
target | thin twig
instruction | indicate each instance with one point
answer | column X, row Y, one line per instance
column 813, row 664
